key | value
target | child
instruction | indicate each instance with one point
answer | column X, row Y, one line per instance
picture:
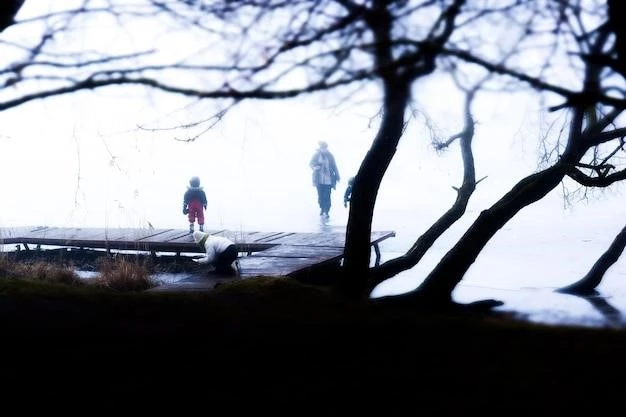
column 348, row 194
column 194, row 204
column 220, row 252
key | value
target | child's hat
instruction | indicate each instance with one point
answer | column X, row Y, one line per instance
column 200, row 237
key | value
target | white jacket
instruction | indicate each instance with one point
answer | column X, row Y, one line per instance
column 213, row 245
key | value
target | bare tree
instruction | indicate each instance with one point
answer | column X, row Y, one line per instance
column 454, row 213
column 603, row 169
column 592, row 128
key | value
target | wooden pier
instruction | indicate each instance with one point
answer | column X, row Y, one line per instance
column 261, row 253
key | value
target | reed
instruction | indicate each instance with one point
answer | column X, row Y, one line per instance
column 121, row 274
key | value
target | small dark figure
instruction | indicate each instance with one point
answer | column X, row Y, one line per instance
column 194, row 204
column 325, row 176
column 220, row 252
column 348, row 194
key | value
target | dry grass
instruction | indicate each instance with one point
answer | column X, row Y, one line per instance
column 39, row 271
column 120, row 275
column 124, row 275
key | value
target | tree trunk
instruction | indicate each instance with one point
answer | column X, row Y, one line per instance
column 357, row 252
column 428, row 238
column 589, row 282
column 438, row 286
column 423, row 243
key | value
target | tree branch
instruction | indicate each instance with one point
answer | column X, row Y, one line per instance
column 8, row 10
column 601, row 181
column 584, row 98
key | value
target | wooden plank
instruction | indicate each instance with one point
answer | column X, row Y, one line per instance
column 186, row 243
column 61, row 236
column 32, row 233
column 169, row 235
column 172, row 240
column 272, row 266
column 294, row 251
column 235, row 236
column 131, row 239
column 312, row 239
column 250, row 242
column 337, row 240
column 187, row 237
column 69, row 234
column 275, row 236
column 89, row 234
column 135, row 235
column 19, row 231
column 262, row 237
column 10, row 235
column 121, row 239
column 238, row 237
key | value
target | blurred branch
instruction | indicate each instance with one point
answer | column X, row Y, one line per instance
column 8, row 10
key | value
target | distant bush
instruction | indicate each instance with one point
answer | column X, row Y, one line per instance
column 124, row 275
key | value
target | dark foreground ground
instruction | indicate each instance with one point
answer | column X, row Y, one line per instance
column 274, row 347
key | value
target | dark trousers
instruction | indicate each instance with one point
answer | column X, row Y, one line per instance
column 323, row 197
column 224, row 260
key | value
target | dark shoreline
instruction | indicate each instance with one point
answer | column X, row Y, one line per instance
column 274, row 347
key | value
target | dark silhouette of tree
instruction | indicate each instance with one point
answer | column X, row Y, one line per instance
column 587, row 285
column 592, row 129
column 616, row 60
column 454, row 213
column 594, row 114
column 605, row 175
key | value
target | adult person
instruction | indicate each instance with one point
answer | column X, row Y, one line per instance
column 220, row 252
column 325, row 176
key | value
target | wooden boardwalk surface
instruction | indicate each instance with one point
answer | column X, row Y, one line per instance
column 261, row 253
